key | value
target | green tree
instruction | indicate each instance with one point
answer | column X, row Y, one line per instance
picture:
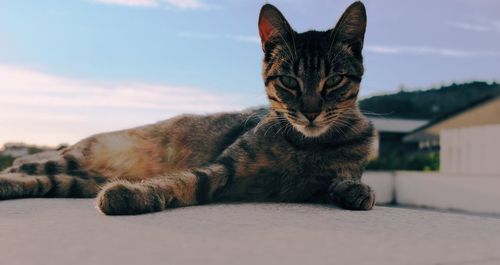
column 5, row 162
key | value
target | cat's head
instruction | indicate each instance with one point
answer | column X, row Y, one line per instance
column 312, row 78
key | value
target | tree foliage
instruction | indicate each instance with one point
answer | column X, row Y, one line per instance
column 429, row 104
column 5, row 162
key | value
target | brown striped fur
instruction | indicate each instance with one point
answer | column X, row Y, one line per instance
column 310, row 145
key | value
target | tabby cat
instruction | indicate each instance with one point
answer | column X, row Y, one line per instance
column 310, row 145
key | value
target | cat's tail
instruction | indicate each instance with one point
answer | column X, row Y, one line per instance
column 22, row 185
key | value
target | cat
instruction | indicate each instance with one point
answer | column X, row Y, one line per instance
column 310, row 145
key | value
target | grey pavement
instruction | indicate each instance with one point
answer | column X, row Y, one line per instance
column 71, row 231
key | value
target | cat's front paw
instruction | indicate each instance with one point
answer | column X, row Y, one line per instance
column 353, row 195
column 125, row 198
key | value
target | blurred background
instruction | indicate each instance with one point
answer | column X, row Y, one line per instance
column 69, row 69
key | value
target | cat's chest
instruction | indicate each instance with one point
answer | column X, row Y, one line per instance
column 281, row 173
column 312, row 163
column 303, row 174
column 281, row 157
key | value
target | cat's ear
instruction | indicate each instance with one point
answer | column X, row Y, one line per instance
column 272, row 24
column 350, row 30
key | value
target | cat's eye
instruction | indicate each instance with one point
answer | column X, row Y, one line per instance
column 333, row 81
column 289, row 82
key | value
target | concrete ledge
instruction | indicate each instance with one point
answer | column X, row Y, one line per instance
column 476, row 194
column 70, row 231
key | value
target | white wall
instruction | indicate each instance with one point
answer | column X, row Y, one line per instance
column 480, row 194
column 472, row 150
column 383, row 185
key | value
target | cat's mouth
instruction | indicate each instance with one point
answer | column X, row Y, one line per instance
column 307, row 127
column 310, row 129
column 311, row 125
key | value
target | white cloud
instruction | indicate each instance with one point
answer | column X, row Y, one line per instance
column 186, row 4
column 179, row 4
column 468, row 26
column 245, row 38
column 484, row 26
column 425, row 50
column 34, row 88
column 135, row 3
column 42, row 108
column 209, row 36
column 382, row 49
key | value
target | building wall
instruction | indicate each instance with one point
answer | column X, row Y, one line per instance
column 473, row 150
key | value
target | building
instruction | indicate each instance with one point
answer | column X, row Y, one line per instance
column 21, row 149
column 483, row 112
column 15, row 150
column 390, row 133
column 470, row 151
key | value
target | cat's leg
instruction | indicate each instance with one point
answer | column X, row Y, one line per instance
column 48, row 174
column 197, row 186
column 351, row 194
column 22, row 185
column 156, row 194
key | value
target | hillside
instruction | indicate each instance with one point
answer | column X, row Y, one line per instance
column 428, row 104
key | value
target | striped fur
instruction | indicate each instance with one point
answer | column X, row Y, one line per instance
column 310, row 145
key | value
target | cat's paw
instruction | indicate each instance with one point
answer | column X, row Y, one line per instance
column 353, row 195
column 49, row 167
column 44, row 163
column 125, row 198
column 26, row 168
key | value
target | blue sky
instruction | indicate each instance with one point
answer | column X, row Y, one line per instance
column 71, row 68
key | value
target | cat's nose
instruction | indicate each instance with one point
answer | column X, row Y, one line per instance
column 311, row 106
column 311, row 115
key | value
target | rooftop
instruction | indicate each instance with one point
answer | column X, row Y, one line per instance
column 396, row 125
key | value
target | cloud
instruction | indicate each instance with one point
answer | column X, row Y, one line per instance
column 209, row 36
column 33, row 88
column 468, row 26
column 133, row 3
column 178, row 4
column 36, row 106
column 426, row 50
column 244, row 38
column 381, row 49
column 485, row 26
column 187, row 4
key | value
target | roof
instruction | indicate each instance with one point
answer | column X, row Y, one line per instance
column 457, row 112
column 396, row 125
column 419, row 133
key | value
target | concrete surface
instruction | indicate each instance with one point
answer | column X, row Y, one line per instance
column 478, row 194
column 68, row 231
